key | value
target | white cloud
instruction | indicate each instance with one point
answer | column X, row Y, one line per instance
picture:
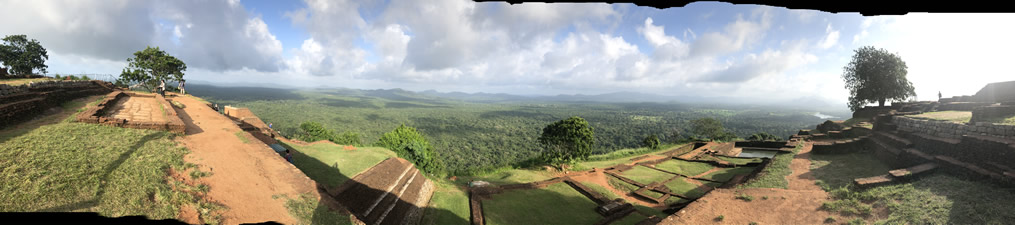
column 831, row 38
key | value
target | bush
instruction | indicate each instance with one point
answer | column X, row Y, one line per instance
column 85, row 77
column 313, row 131
column 652, row 142
column 409, row 144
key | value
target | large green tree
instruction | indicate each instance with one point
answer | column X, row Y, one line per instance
column 875, row 75
column 409, row 144
column 652, row 142
column 151, row 66
column 23, row 56
column 711, row 128
column 567, row 140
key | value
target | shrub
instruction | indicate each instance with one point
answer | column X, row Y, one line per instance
column 85, row 77
column 745, row 197
column 409, row 144
column 719, row 218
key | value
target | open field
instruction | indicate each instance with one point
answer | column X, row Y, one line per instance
column 952, row 116
column 684, row 167
column 646, row 175
column 490, row 134
column 54, row 164
column 934, row 199
column 335, row 158
column 555, row 204
column 448, row 206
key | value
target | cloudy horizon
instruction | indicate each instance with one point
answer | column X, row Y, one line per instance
column 703, row 49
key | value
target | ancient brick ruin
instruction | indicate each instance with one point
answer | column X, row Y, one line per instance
column 22, row 102
column 154, row 112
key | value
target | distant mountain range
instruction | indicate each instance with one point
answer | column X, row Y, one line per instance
column 825, row 106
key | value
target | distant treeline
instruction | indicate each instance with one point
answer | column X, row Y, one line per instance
column 472, row 137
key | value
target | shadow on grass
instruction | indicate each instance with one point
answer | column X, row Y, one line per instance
column 105, row 176
column 936, row 198
column 350, row 197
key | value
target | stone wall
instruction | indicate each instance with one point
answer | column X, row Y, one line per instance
column 953, row 130
column 983, row 114
column 22, row 102
column 871, row 111
column 961, row 106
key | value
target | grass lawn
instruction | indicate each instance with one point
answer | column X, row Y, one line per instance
column 953, row 116
column 22, row 81
column 684, row 167
column 725, row 174
column 64, row 166
column 1001, row 120
column 449, row 205
column 774, row 175
column 602, row 190
column 621, row 185
column 623, row 156
column 646, row 175
column 739, row 161
column 630, row 219
column 511, row 176
column 682, row 186
column 555, row 204
column 934, row 199
column 321, row 161
column 309, row 211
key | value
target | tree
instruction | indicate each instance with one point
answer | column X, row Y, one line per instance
column 409, row 144
column 712, row 129
column 567, row 140
column 652, row 142
column 23, row 56
column 151, row 66
column 875, row 75
column 762, row 136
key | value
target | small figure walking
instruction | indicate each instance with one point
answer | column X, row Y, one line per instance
column 938, row 95
column 162, row 88
column 269, row 125
column 182, row 91
column 288, row 156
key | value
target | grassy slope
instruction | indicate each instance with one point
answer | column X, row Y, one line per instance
column 952, row 116
column 725, row 174
column 449, row 205
column 508, row 176
column 645, row 175
column 684, row 167
column 319, row 161
column 309, row 211
column 935, row 199
column 69, row 166
column 774, row 175
column 566, row 206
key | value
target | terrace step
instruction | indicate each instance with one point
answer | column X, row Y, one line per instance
column 375, row 213
column 976, row 169
column 873, row 180
column 952, row 141
column 918, row 153
column 885, row 146
column 892, row 139
column 413, row 199
column 912, row 171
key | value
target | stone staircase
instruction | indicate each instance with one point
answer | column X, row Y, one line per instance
column 391, row 192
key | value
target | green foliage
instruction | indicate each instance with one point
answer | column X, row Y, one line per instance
column 774, row 175
column 409, row 144
column 484, row 136
column 712, row 129
column 567, row 140
column 72, row 77
column 745, row 197
column 23, row 56
column 57, row 76
column 719, row 218
column 151, row 66
column 651, row 142
column 875, row 75
column 762, row 136
column 85, row 77
column 311, row 131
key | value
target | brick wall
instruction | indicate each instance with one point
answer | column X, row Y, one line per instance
column 953, row 130
column 22, row 102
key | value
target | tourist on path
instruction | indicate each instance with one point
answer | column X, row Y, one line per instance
column 162, row 88
column 288, row 156
column 182, row 91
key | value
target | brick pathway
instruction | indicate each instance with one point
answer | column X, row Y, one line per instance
column 138, row 109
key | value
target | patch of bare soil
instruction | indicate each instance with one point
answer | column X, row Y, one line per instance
column 799, row 204
column 245, row 175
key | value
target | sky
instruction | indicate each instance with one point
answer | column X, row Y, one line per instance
column 703, row 49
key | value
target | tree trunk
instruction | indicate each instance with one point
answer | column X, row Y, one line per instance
column 881, row 102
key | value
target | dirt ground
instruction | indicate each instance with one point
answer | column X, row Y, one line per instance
column 245, row 176
column 797, row 205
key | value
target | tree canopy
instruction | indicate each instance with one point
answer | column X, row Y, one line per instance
column 311, row 131
column 151, row 66
column 711, row 128
column 875, row 75
column 652, row 142
column 763, row 136
column 567, row 140
column 409, row 144
column 23, row 56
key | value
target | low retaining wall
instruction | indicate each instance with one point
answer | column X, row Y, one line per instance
column 96, row 114
column 840, row 146
column 961, row 106
column 953, row 130
column 983, row 114
column 18, row 103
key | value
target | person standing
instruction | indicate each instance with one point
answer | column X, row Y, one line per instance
column 939, row 96
column 288, row 156
column 182, row 91
column 162, row 88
